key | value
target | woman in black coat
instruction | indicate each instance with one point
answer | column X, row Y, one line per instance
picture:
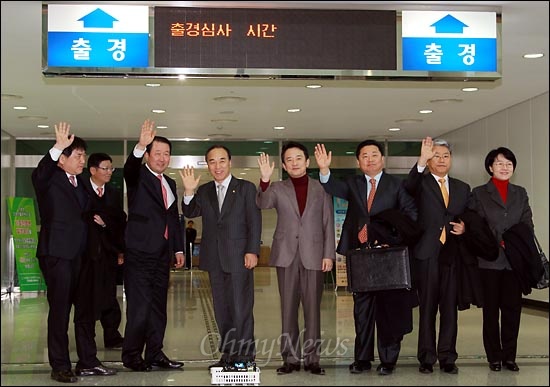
column 503, row 205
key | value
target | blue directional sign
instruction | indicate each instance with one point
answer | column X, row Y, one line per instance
column 98, row 36
column 449, row 41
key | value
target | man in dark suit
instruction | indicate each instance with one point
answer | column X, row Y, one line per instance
column 153, row 232
column 105, row 252
column 369, row 194
column 440, row 200
column 190, row 237
column 230, row 245
column 303, row 250
column 62, row 202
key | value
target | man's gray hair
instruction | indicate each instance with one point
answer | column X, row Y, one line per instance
column 441, row 142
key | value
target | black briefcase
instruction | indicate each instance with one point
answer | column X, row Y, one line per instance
column 383, row 268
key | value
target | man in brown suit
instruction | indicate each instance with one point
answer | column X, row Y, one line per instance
column 303, row 249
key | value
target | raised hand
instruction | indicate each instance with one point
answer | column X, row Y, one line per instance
column 62, row 137
column 147, row 134
column 190, row 184
column 266, row 170
column 426, row 151
column 323, row 158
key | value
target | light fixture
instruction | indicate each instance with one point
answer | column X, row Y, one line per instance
column 152, row 84
column 315, row 86
column 279, row 127
column 469, row 89
column 394, row 129
column 20, row 108
column 425, row 111
column 162, row 127
column 158, row 111
column 295, row 110
column 43, row 126
column 533, row 56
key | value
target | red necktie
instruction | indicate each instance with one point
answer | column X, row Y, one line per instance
column 363, row 234
column 165, row 198
column 100, row 191
column 72, row 179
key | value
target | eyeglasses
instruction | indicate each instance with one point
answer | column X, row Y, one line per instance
column 500, row 164
column 107, row 169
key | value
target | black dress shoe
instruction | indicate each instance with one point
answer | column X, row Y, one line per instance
column 511, row 366
column 426, row 368
column 359, row 366
column 164, row 362
column 449, row 368
column 287, row 368
column 64, row 376
column 385, row 369
column 495, row 366
column 314, row 368
column 98, row 370
column 139, row 366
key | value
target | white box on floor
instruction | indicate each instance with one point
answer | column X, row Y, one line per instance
column 245, row 378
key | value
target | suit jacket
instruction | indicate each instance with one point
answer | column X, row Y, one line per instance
column 312, row 232
column 389, row 194
column 501, row 216
column 105, row 242
column 227, row 235
column 147, row 214
column 61, row 207
column 432, row 214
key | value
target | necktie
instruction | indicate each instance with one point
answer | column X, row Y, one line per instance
column 100, row 191
column 220, row 196
column 363, row 234
column 370, row 199
column 165, row 198
column 72, row 179
column 445, row 195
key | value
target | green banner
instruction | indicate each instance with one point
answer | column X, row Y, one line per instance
column 25, row 241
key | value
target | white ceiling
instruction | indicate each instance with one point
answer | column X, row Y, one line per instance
column 341, row 110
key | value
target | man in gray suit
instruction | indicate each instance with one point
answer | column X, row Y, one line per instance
column 230, row 245
column 303, row 249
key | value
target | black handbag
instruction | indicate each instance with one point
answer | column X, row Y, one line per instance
column 378, row 268
column 543, row 281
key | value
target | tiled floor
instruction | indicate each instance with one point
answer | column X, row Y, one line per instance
column 191, row 337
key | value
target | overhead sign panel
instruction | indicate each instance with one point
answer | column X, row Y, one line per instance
column 98, row 36
column 249, row 38
column 449, row 41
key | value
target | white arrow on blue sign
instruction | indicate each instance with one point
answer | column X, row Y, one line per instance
column 449, row 41
column 98, row 36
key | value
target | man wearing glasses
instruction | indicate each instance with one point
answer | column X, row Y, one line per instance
column 105, row 251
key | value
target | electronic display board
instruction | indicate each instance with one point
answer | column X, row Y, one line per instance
column 221, row 38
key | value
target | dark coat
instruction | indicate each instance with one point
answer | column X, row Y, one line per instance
column 523, row 255
column 477, row 241
column 104, row 244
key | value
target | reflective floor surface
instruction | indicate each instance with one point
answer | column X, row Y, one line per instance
column 191, row 337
